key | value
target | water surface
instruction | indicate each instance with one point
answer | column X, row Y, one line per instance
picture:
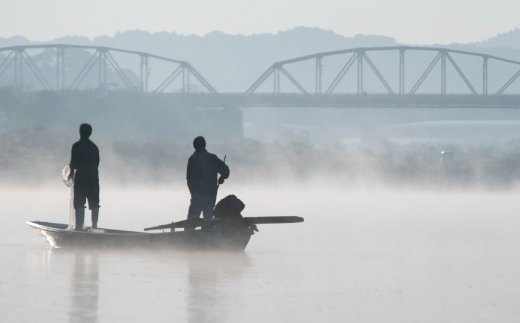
column 360, row 256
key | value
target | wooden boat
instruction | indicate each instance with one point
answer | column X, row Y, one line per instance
column 218, row 234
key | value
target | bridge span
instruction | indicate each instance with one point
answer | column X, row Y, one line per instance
column 443, row 57
column 483, row 80
column 52, row 75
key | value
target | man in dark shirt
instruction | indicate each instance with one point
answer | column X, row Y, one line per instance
column 85, row 161
column 203, row 168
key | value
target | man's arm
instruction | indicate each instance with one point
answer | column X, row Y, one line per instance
column 190, row 174
column 222, row 169
column 73, row 160
column 97, row 155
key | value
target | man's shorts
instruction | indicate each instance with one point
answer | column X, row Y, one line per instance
column 84, row 191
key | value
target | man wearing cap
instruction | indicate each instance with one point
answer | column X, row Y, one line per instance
column 201, row 175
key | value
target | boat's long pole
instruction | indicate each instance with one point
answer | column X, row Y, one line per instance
column 231, row 221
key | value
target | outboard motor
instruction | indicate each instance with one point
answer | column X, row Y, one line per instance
column 231, row 207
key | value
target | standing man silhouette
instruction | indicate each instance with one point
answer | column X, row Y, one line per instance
column 201, row 175
column 85, row 161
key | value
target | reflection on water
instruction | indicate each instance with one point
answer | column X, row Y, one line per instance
column 84, row 288
column 206, row 284
column 206, row 300
column 202, row 295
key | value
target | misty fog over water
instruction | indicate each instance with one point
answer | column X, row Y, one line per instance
column 395, row 156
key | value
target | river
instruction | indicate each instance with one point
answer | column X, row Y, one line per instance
column 362, row 255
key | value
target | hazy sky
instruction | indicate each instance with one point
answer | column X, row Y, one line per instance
column 409, row 21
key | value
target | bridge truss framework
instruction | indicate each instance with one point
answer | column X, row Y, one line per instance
column 359, row 58
column 102, row 58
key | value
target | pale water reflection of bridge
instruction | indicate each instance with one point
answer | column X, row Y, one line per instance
column 396, row 76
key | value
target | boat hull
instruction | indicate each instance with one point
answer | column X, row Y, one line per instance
column 214, row 238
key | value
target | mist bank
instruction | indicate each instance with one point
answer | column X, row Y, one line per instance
column 35, row 156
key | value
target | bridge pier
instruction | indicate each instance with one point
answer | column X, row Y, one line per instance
column 60, row 68
column 102, row 64
column 485, row 75
column 319, row 72
column 360, row 72
column 18, row 69
column 401, row 72
column 443, row 73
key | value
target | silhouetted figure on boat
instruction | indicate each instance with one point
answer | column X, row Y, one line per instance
column 85, row 161
column 203, row 169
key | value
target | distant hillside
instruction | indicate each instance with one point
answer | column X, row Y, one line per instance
column 510, row 39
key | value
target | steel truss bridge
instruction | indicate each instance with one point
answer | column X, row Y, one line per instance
column 102, row 58
column 354, row 62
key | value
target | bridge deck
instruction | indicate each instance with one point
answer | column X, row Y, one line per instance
column 344, row 100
